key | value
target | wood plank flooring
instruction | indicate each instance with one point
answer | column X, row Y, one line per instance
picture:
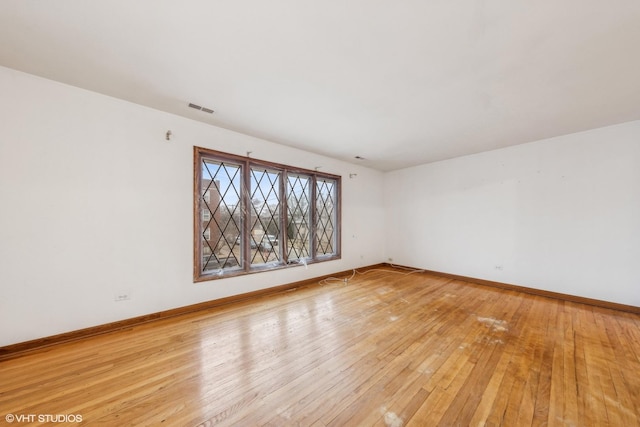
column 385, row 348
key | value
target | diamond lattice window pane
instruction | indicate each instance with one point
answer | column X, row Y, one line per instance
column 265, row 216
column 253, row 216
column 298, row 217
column 221, row 215
column 326, row 216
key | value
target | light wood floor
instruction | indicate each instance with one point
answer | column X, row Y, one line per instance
column 382, row 349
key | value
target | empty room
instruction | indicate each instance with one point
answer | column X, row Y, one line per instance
column 305, row 213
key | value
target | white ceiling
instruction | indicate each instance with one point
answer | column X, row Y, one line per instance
column 397, row 82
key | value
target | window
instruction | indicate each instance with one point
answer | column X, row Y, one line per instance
column 253, row 216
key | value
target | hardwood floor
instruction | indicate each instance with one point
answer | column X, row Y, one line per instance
column 385, row 348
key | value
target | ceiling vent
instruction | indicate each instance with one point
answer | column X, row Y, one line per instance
column 198, row 107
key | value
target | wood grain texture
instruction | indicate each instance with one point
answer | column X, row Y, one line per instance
column 385, row 348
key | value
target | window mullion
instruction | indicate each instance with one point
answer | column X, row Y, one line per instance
column 313, row 216
column 284, row 215
column 246, row 215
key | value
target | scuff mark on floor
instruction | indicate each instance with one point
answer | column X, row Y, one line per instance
column 391, row 419
column 488, row 340
column 495, row 324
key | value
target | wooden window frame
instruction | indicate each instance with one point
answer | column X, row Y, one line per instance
column 246, row 163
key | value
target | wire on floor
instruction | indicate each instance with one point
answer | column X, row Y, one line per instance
column 408, row 270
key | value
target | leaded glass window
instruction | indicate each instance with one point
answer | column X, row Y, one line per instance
column 252, row 215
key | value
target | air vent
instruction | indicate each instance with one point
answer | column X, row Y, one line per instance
column 198, row 107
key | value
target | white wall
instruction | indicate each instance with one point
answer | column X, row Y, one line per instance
column 561, row 214
column 94, row 201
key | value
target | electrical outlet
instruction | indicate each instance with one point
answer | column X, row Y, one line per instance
column 122, row 296
column 499, row 267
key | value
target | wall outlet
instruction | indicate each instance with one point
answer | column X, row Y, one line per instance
column 122, row 296
column 499, row 267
